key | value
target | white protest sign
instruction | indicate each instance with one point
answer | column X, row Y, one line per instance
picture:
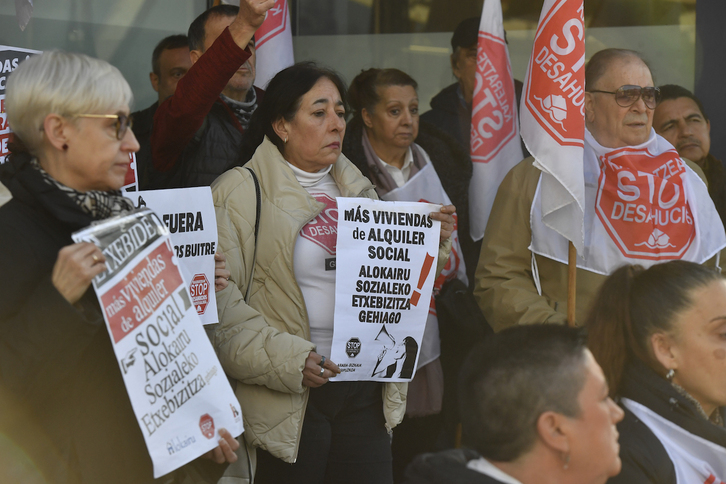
column 188, row 213
column 178, row 390
column 425, row 186
column 386, row 266
column 10, row 58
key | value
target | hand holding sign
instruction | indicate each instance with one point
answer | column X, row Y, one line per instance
column 446, row 217
column 224, row 452
column 75, row 268
column 221, row 273
column 313, row 377
column 173, row 378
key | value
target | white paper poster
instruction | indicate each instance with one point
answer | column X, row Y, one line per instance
column 178, row 390
column 425, row 186
column 10, row 58
column 188, row 213
column 386, row 266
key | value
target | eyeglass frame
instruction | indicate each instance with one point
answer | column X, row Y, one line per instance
column 119, row 122
column 656, row 94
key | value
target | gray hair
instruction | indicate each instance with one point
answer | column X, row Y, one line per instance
column 64, row 83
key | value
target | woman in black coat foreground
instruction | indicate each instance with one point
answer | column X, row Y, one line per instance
column 660, row 336
column 65, row 410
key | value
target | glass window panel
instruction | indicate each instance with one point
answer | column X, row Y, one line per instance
column 414, row 35
column 122, row 32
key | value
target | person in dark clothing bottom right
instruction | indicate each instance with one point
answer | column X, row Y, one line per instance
column 535, row 410
column 659, row 335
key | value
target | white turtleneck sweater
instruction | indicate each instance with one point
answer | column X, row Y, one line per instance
column 314, row 257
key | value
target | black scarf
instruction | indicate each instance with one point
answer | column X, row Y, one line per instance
column 243, row 110
column 98, row 204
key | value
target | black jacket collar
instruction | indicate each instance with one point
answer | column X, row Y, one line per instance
column 645, row 386
column 28, row 186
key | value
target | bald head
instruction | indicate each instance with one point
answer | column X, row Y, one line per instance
column 599, row 63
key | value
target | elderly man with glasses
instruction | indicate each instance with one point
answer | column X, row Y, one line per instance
column 656, row 201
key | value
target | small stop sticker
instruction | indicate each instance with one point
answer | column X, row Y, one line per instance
column 206, row 425
column 199, row 289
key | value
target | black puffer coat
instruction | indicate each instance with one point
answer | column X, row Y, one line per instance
column 644, row 458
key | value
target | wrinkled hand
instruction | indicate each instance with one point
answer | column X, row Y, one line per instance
column 221, row 274
column 75, row 268
column 252, row 13
column 224, row 452
column 311, row 373
column 446, row 217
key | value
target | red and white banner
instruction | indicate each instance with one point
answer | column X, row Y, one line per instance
column 273, row 42
column 643, row 205
column 641, row 202
column 495, row 146
column 553, row 115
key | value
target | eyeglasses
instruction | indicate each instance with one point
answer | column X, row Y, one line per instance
column 628, row 95
column 122, row 123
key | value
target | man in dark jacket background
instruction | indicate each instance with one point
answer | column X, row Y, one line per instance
column 198, row 131
column 169, row 62
column 451, row 113
column 451, row 108
column 681, row 119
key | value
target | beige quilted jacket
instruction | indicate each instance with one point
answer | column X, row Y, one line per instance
column 264, row 344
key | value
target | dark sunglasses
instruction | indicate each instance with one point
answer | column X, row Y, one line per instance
column 628, row 95
column 122, row 123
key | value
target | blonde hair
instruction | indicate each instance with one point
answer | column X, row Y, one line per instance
column 64, row 83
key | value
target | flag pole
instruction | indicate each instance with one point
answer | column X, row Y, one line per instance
column 571, row 283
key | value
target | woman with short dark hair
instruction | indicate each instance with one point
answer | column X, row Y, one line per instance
column 660, row 336
column 275, row 340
